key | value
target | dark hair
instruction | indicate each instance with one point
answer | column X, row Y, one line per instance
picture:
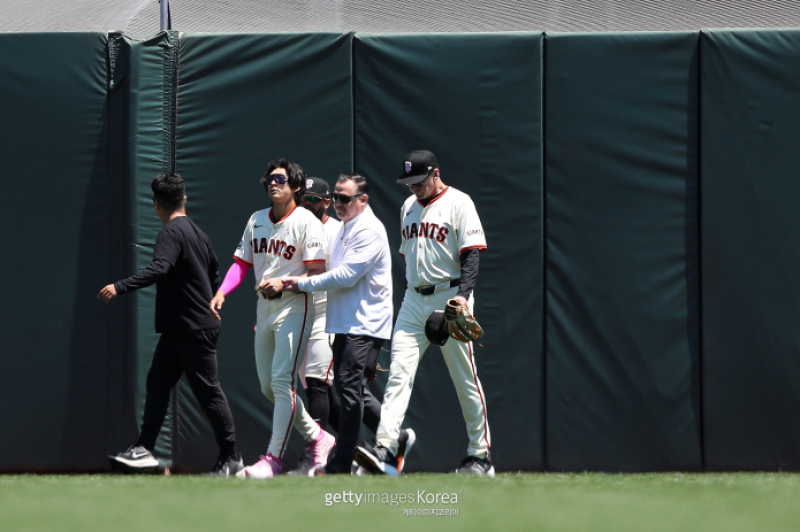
column 358, row 179
column 169, row 190
column 296, row 177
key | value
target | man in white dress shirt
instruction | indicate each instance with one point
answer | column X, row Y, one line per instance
column 360, row 309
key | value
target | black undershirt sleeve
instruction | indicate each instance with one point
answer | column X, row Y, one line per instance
column 469, row 272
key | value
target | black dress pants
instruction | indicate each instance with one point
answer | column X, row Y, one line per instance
column 193, row 353
column 354, row 357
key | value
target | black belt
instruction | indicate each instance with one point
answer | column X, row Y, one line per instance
column 273, row 298
column 429, row 289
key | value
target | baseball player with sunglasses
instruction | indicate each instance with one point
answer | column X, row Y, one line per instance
column 278, row 242
column 316, row 370
column 442, row 238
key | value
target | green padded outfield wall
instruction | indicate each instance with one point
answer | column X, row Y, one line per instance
column 621, row 202
column 244, row 100
column 475, row 100
column 144, row 73
column 751, row 249
column 57, row 219
column 613, row 299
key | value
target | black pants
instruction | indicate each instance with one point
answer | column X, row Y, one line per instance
column 354, row 357
column 195, row 353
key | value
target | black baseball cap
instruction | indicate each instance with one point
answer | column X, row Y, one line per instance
column 417, row 165
column 318, row 187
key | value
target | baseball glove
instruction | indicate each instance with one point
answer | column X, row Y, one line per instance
column 460, row 323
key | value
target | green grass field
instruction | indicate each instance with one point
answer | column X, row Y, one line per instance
column 532, row 502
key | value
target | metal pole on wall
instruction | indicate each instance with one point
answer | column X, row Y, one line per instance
column 166, row 19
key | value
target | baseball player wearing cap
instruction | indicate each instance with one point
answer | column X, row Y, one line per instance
column 281, row 241
column 316, row 370
column 441, row 240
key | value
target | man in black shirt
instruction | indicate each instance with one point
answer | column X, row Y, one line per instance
column 186, row 274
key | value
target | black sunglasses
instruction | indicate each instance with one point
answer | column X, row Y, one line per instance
column 344, row 199
column 312, row 199
column 278, row 178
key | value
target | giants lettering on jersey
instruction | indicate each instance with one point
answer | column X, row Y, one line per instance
column 275, row 247
column 425, row 230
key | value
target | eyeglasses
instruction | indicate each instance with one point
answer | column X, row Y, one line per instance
column 344, row 199
column 312, row 199
column 280, row 179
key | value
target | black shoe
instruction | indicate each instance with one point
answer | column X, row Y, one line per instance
column 334, row 469
column 378, row 460
column 135, row 459
column 404, row 444
column 228, row 466
column 303, row 468
column 472, row 465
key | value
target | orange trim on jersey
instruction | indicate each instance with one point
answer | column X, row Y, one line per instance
column 312, row 261
column 272, row 219
column 241, row 261
column 480, row 248
column 445, row 189
column 480, row 394
column 294, row 377
column 328, row 373
column 401, row 254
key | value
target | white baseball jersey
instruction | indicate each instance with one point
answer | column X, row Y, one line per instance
column 332, row 226
column 282, row 247
column 434, row 236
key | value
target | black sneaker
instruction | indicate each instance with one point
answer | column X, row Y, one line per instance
column 333, row 468
column 135, row 459
column 404, row 444
column 472, row 465
column 378, row 460
column 304, row 468
column 228, row 466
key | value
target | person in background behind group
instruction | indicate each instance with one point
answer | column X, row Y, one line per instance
column 359, row 286
column 281, row 241
column 441, row 240
column 316, row 370
column 186, row 273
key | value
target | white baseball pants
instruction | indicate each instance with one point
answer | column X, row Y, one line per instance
column 408, row 345
column 282, row 330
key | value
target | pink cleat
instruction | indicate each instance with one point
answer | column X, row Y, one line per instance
column 267, row 467
column 320, row 448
